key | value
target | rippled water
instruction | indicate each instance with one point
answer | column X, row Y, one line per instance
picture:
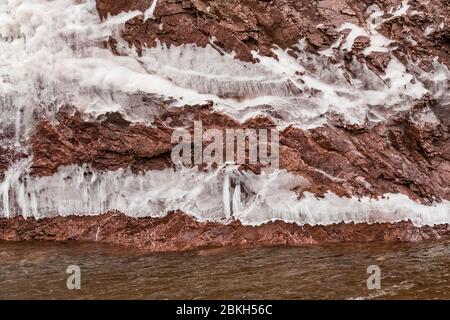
column 38, row 270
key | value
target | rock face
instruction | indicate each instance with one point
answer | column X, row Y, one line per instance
column 241, row 26
column 108, row 144
column 259, row 25
column 406, row 152
column 394, row 156
column 423, row 34
column 178, row 232
column 403, row 154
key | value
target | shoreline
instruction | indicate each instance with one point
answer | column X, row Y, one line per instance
column 177, row 232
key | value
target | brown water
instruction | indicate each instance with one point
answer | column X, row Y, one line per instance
column 36, row 270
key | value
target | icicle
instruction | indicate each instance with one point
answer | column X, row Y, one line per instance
column 226, row 196
column 5, row 197
column 149, row 12
column 237, row 198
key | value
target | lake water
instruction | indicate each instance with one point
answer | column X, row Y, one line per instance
column 36, row 270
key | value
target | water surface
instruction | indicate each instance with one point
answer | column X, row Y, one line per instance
column 36, row 270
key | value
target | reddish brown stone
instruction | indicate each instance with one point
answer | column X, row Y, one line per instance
column 179, row 232
column 245, row 25
column 395, row 156
column 378, row 61
column 408, row 32
column 360, row 43
column 108, row 143
column 237, row 25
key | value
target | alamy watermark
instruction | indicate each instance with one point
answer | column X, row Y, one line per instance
column 374, row 280
column 74, row 280
column 236, row 146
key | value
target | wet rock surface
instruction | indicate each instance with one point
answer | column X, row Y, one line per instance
column 179, row 232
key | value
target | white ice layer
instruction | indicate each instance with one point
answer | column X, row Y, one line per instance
column 218, row 195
